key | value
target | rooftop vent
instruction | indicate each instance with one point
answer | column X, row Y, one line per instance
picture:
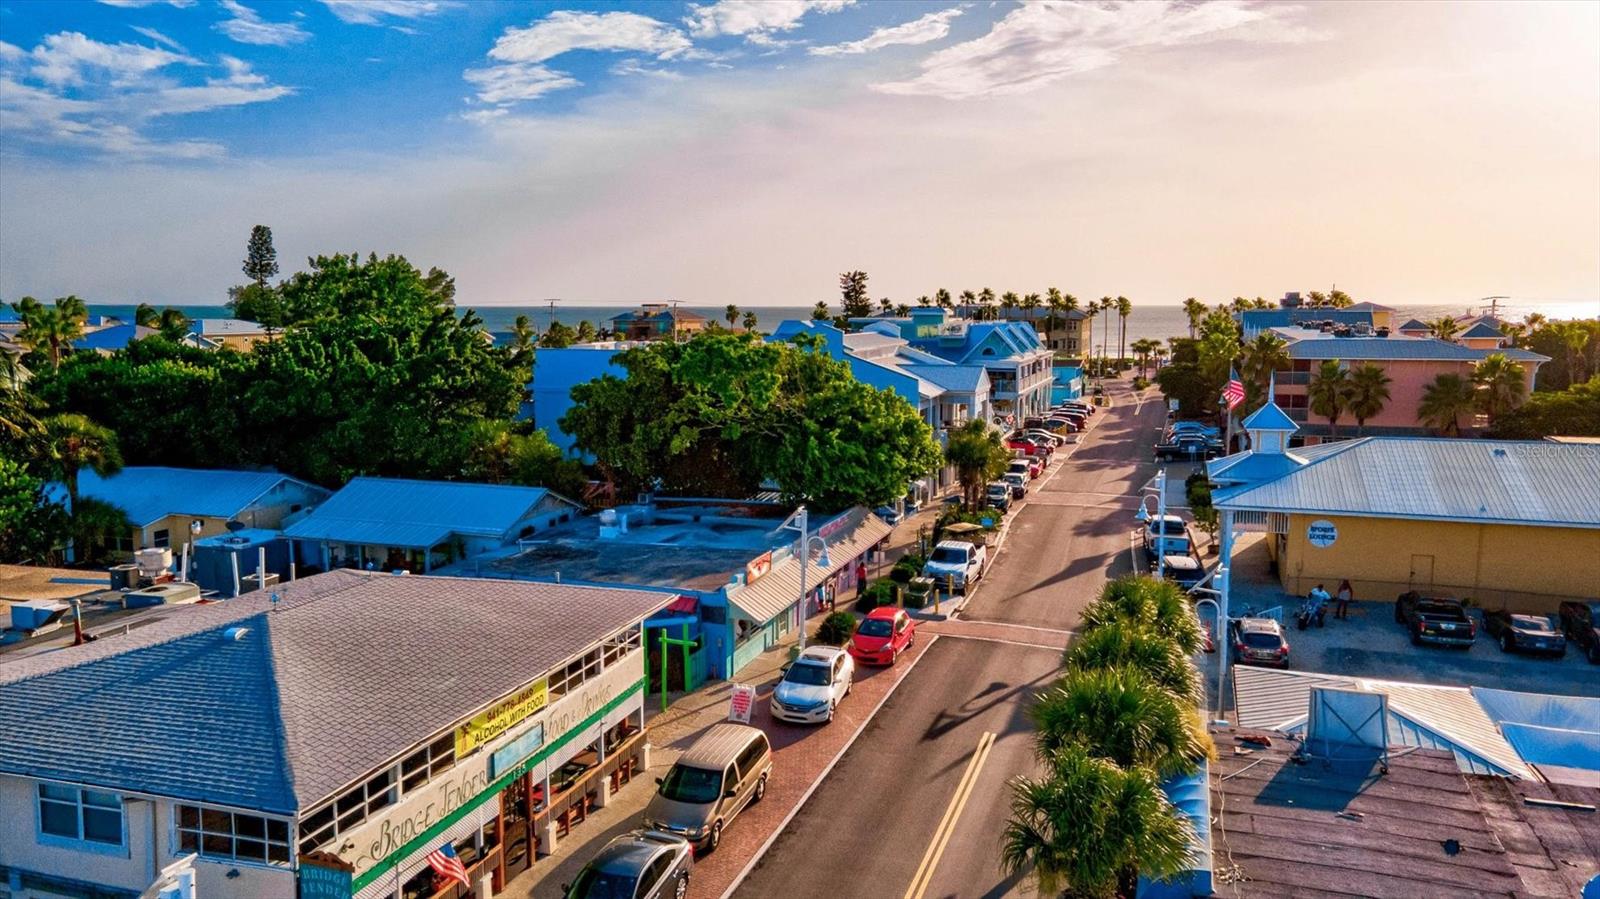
column 1500, row 452
column 235, row 634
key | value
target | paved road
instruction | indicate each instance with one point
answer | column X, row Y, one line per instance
column 875, row 826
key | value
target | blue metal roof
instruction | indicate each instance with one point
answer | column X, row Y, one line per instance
column 417, row 514
column 1269, row 418
column 959, row 378
column 1483, row 329
column 1322, row 348
column 1259, row 319
column 1508, row 481
column 116, row 337
column 150, row 493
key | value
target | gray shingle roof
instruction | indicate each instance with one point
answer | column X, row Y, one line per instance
column 1519, row 482
column 349, row 671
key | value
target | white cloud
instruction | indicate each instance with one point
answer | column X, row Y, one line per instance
column 84, row 94
column 517, row 81
column 68, row 58
column 247, row 27
column 927, row 29
column 1042, row 42
column 756, row 20
column 562, row 31
column 634, row 67
column 373, row 12
column 136, row 4
column 158, row 37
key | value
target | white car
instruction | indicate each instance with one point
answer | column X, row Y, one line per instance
column 814, row 685
column 1168, row 536
column 1046, row 436
column 961, row 563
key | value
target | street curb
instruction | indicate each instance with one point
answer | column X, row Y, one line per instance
column 783, row 825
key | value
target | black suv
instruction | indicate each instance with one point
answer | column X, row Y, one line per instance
column 1580, row 621
column 646, row 864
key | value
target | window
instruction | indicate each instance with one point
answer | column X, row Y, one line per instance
column 751, row 756
column 161, row 538
column 620, row 645
column 214, row 833
column 576, row 672
column 87, row 816
column 354, row 806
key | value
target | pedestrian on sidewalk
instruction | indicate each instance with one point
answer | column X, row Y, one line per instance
column 1344, row 596
column 861, row 577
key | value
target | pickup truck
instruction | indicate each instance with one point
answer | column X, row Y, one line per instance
column 1435, row 619
column 961, row 563
column 1580, row 621
column 1186, row 446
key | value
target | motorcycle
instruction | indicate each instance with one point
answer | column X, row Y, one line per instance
column 1314, row 608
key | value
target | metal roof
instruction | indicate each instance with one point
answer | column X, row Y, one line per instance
column 1531, row 482
column 779, row 589
column 1482, row 329
column 308, row 699
column 418, row 514
column 216, row 327
column 958, row 378
column 1424, row 715
column 115, row 337
column 1269, row 418
column 150, row 493
column 1324, row 347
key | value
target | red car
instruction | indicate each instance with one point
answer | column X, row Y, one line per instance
column 1027, row 446
column 882, row 636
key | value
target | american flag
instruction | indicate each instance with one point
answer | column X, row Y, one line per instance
column 1233, row 394
column 448, row 865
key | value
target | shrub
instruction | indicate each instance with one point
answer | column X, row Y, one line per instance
column 904, row 570
column 836, row 629
column 879, row 593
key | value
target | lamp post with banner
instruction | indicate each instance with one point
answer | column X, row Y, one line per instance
column 801, row 521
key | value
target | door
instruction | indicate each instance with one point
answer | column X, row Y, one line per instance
column 516, row 843
column 1421, row 571
column 654, row 877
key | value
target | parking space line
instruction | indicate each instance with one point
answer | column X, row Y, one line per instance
column 952, row 814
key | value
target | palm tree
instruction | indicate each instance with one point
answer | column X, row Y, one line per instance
column 1513, row 332
column 902, row 310
column 924, row 302
column 1444, row 327
column 522, row 333
column 1196, row 311
column 986, row 304
column 1535, row 321
column 1123, row 643
column 1368, row 391
column 1238, row 304
column 1264, row 354
column 1055, row 305
column 1449, row 397
column 885, row 306
column 1106, row 305
column 1010, row 300
column 1091, row 828
column 1121, row 714
column 1030, row 304
column 174, row 325
column 1156, row 604
column 146, row 316
column 750, row 319
column 1142, row 348
column 970, row 301
column 1501, row 384
column 72, row 443
column 585, row 333
column 1329, row 393
column 978, row 455
column 731, row 314
column 1574, row 337
column 1124, row 308
column 51, row 329
column 941, row 298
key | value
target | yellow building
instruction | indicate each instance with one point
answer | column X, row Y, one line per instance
column 164, row 504
column 1513, row 524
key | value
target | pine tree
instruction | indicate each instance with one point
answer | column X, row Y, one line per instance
column 853, row 291
column 260, row 259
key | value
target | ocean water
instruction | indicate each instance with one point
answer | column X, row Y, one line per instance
column 1146, row 321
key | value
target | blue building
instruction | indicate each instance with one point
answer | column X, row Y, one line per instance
column 110, row 339
column 556, row 372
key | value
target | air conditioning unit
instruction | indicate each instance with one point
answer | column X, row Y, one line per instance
column 249, row 582
column 168, row 594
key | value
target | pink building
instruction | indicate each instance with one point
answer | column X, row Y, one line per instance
column 1412, row 363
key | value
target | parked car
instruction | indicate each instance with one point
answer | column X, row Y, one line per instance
column 1184, row 570
column 1050, row 437
column 1525, row 633
column 1259, row 641
column 1435, row 619
column 1022, row 466
column 888, row 514
column 1194, row 427
column 998, row 495
column 1073, row 406
column 1167, row 536
column 1580, row 621
column 1063, row 426
column 1018, row 482
column 956, row 560
column 646, row 864
column 882, row 636
column 1186, row 446
column 814, row 685
column 714, row 780
column 1027, row 446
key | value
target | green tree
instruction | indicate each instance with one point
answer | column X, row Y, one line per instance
column 1265, row 354
column 820, row 312
column 32, row 525
column 750, row 320
column 1142, row 348
column 1030, row 305
column 941, row 298
column 901, row 310
column 1185, row 382
column 1368, row 392
column 1090, row 827
column 1055, row 304
column 1444, row 328
column 1445, row 401
column 173, row 324
column 1574, row 412
column 1122, row 714
column 1501, row 385
column 49, row 330
column 72, row 443
column 347, row 285
column 1121, row 643
column 1124, row 309
column 731, row 313
column 1010, row 300
column 1196, row 311
column 260, row 258
column 522, row 334
column 498, row 452
column 146, row 316
column 585, row 333
column 924, row 301
column 255, row 303
column 836, row 629
column 1329, row 393
column 1157, row 605
column 986, row 305
column 854, row 300
column 978, row 456
column 557, row 336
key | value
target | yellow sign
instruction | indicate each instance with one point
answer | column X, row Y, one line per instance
column 501, row 717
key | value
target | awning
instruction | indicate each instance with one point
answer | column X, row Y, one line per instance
column 683, row 605
column 779, row 589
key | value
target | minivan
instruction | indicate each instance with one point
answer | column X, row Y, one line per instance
column 710, row 784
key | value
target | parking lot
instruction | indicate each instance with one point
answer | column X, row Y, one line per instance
column 1370, row 644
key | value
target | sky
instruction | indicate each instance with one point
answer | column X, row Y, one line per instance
column 747, row 152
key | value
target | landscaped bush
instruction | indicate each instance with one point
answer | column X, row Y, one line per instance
column 836, row 629
column 904, row 570
column 879, row 593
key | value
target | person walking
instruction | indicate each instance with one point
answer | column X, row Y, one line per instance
column 1345, row 594
column 861, row 577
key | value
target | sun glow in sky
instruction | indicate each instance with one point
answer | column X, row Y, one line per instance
column 746, row 152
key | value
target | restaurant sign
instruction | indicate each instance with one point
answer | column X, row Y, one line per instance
column 324, row 875
column 1321, row 533
column 757, row 568
column 501, row 717
column 513, row 753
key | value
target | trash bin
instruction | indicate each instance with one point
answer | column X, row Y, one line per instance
column 124, row 577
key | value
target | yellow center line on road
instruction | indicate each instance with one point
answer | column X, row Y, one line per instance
column 947, row 824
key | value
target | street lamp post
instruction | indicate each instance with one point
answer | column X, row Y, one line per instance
column 802, row 519
column 1161, row 516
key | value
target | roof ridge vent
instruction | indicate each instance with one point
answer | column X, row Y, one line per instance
column 235, row 634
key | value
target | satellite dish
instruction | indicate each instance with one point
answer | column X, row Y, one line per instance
column 235, row 525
